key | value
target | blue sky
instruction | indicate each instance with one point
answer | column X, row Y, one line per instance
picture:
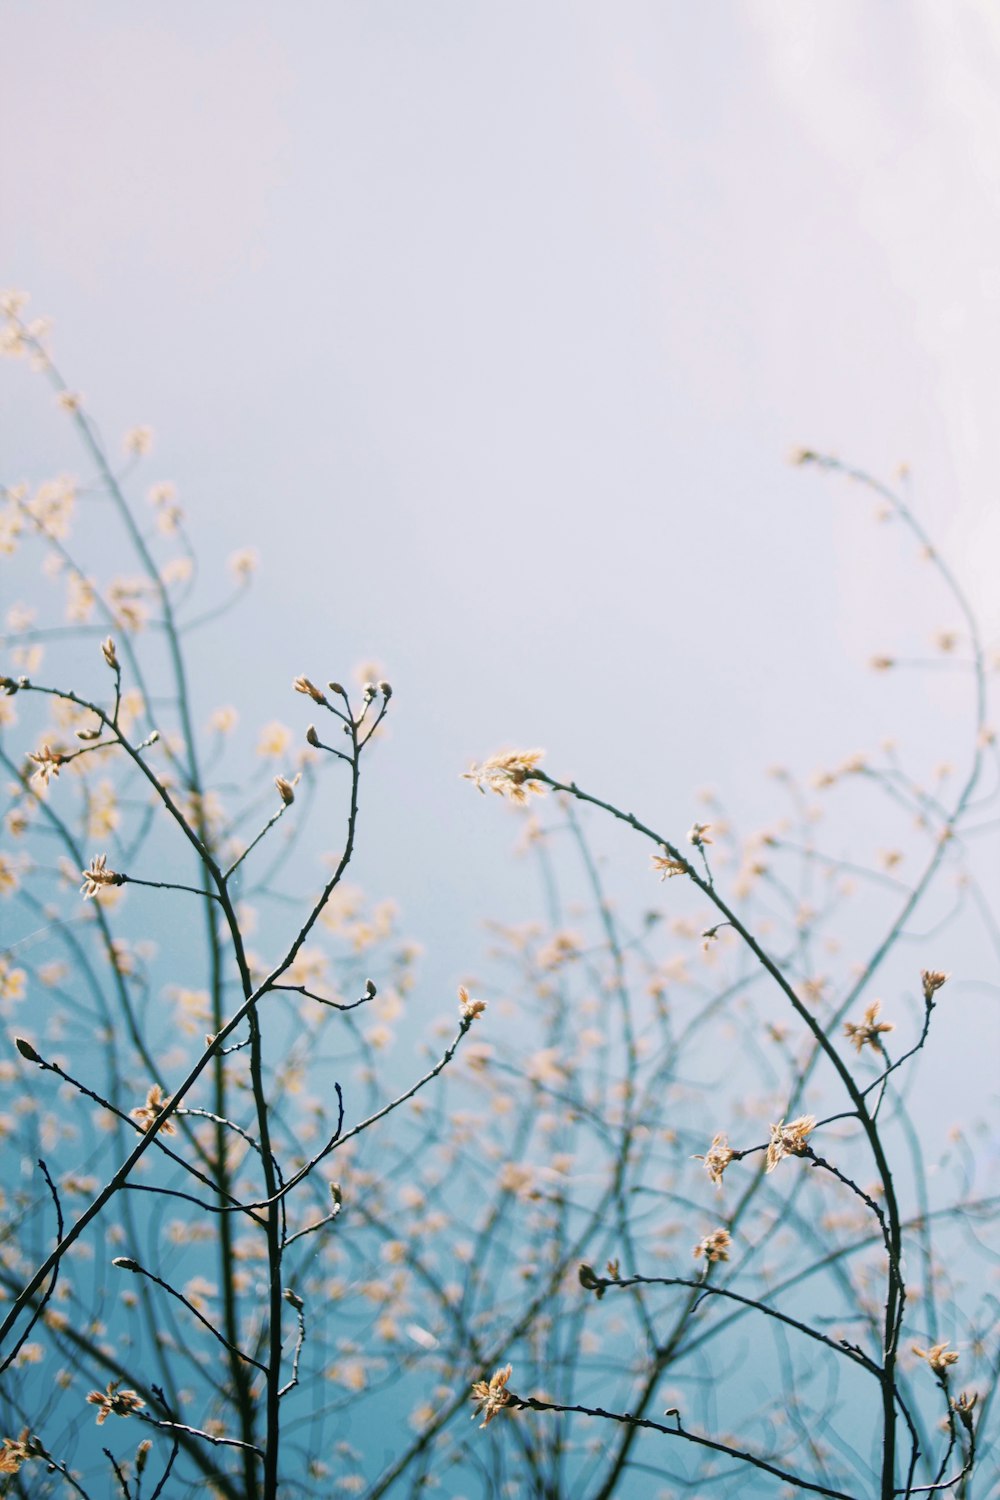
column 491, row 328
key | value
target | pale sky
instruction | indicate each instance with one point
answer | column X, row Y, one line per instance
column 491, row 327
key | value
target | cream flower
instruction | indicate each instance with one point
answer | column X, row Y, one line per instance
column 113, row 1401
column 789, row 1140
column 867, row 1033
column 938, row 1356
column 491, row 1396
column 714, row 1246
column 669, row 866
column 468, row 1007
column 509, row 774
column 147, row 1114
column 97, row 876
column 717, row 1158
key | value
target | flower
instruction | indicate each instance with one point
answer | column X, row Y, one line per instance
column 932, row 980
column 697, row 834
column 717, row 1158
column 274, row 739
column 509, row 774
column 138, row 441
column 149, row 1113
column 868, row 1031
column 243, row 564
column 491, row 1396
column 470, row 1009
column 963, row 1407
column 98, row 875
column 116, row 1402
column 48, row 762
column 714, row 1246
column 668, row 865
column 16, row 1451
column 938, row 1356
column 789, row 1140
column 303, row 685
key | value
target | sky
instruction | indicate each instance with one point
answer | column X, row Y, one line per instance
column 491, row 328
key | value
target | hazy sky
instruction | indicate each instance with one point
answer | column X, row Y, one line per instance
column 491, row 326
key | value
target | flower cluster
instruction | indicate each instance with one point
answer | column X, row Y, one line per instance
column 468, row 1007
column 509, row 774
column 149, row 1113
column 491, row 1396
column 668, row 865
column 717, row 1158
column 868, row 1032
column 115, row 1402
column 714, row 1246
column 789, row 1140
column 938, row 1356
column 97, row 876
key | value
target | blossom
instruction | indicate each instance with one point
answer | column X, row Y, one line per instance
column 116, row 1402
column 509, row 774
column 138, row 440
column 789, row 1140
column 149, row 1113
column 963, row 1407
column 697, row 834
column 16, row 1451
column 717, row 1158
column 938, row 1356
column 224, row 719
column 868, row 1031
column 243, row 564
column 469, row 1008
column 668, row 865
column 303, row 685
column 48, row 762
column 491, row 1396
column 274, row 739
column 98, row 875
column 714, row 1246
column 932, row 980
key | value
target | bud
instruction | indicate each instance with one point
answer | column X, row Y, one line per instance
column 335, row 687
column 932, row 980
column 110, row 654
column 312, row 738
column 142, row 1454
column 293, row 1298
column 385, row 688
column 590, row 1282
column 370, row 690
column 26, row 1050
column 303, row 685
column 126, row 1263
column 370, row 990
column 285, row 790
